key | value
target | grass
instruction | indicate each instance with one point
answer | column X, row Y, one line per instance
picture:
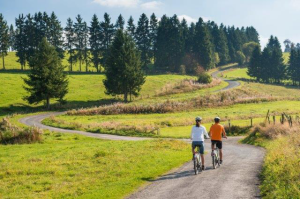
column 68, row 166
column 177, row 124
column 11, row 63
column 84, row 90
column 280, row 175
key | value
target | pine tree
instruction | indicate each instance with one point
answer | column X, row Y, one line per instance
column 153, row 34
column 278, row 69
column 252, row 34
column 70, row 42
column 265, row 65
column 20, row 44
column 12, row 38
column 254, row 67
column 46, row 79
column 32, row 36
column 79, row 30
column 293, row 64
column 123, row 67
column 185, row 34
column 143, row 39
column 55, row 34
column 120, row 22
column 86, row 52
column 190, row 38
column 221, row 46
column 131, row 27
column 95, row 42
column 108, row 32
column 4, row 39
column 202, row 46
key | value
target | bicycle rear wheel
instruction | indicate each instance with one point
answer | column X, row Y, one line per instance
column 195, row 166
column 214, row 161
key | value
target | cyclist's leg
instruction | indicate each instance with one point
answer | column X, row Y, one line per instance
column 201, row 147
column 193, row 149
column 219, row 145
column 212, row 146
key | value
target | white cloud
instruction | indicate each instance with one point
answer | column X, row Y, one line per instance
column 152, row 5
column 191, row 19
column 118, row 3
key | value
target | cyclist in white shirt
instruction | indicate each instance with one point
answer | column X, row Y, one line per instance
column 197, row 137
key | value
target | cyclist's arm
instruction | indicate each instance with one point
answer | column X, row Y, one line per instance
column 224, row 133
column 205, row 133
column 192, row 134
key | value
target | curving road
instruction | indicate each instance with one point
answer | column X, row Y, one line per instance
column 35, row 120
column 238, row 177
column 231, row 83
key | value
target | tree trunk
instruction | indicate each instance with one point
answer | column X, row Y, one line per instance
column 80, row 65
column 86, row 66
column 48, row 103
column 125, row 96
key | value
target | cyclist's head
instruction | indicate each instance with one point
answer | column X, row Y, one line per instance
column 198, row 119
column 217, row 119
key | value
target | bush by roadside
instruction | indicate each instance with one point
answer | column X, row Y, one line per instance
column 11, row 134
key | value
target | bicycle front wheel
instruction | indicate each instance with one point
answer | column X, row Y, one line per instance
column 214, row 161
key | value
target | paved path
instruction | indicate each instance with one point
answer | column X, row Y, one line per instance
column 236, row 178
column 35, row 120
column 231, row 83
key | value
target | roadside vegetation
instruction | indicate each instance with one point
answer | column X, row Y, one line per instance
column 280, row 174
column 68, row 166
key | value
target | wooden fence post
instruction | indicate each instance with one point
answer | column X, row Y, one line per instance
column 251, row 122
column 274, row 119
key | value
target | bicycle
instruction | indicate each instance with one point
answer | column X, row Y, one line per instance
column 197, row 161
column 215, row 158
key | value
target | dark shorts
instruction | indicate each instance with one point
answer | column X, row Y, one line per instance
column 218, row 143
column 199, row 144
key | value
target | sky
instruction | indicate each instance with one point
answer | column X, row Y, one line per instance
column 269, row 17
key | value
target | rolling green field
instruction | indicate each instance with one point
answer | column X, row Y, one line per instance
column 177, row 125
column 69, row 166
column 84, row 90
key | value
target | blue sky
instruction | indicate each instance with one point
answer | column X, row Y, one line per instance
column 277, row 17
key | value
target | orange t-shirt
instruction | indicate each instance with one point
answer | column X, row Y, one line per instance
column 216, row 131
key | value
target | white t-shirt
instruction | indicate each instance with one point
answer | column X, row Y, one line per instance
column 198, row 133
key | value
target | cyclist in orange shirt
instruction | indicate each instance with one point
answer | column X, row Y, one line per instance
column 216, row 132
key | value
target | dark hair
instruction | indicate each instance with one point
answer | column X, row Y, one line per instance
column 217, row 120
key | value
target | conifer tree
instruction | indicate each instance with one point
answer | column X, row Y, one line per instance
column 143, row 39
column 108, row 32
column 12, row 38
column 202, row 46
column 254, row 67
column 185, row 34
column 120, row 22
column 153, row 34
column 70, row 42
column 131, row 27
column 220, row 42
column 293, row 65
column 265, row 65
column 123, row 67
column 86, row 51
column 79, row 30
column 55, row 34
column 4, row 39
column 20, row 44
column 95, row 42
column 46, row 79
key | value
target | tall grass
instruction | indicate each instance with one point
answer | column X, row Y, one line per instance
column 281, row 169
column 186, row 85
column 210, row 100
column 10, row 134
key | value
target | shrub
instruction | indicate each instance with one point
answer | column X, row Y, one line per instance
column 204, row 78
column 182, row 70
column 240, row 58
column 10, row 134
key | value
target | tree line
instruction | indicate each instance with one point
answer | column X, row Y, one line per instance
column 168, row 45
column 268, row 66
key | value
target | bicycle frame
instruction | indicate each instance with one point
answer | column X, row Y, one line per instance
column 215, row 157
